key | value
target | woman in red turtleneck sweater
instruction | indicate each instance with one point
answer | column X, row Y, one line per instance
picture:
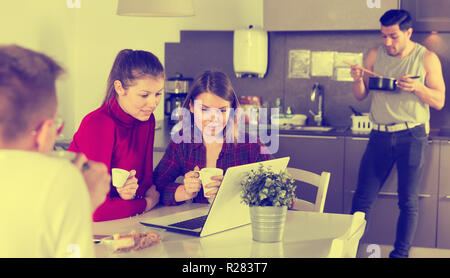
column 121, row 132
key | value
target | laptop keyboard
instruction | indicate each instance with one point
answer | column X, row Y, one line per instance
column 191, row 224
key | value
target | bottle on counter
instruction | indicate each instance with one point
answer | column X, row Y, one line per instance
column 288, row 113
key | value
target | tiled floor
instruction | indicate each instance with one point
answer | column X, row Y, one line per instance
column 367, row 251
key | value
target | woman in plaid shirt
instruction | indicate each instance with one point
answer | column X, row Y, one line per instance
column 210, row 138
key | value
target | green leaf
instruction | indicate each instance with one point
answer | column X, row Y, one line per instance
column 262, row 195
column 264, row 187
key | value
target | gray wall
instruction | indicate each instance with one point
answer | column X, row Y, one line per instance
column 200, row 50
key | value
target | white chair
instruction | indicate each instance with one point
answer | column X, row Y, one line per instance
column 320, row 181
column 346, row 246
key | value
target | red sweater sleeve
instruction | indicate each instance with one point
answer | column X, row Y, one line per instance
column 95, row 139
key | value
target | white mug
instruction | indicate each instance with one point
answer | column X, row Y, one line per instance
column 205, row 176
column 119, row 176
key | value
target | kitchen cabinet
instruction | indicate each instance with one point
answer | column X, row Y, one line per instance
column 384, row 213
column 443, row 230
column 317, row 154
column 312, row 15
column 429, row 15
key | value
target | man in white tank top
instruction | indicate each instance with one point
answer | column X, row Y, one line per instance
column 401, row 120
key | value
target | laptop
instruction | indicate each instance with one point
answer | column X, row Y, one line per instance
column 226, row 211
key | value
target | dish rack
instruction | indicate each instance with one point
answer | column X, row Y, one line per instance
column 361, row 123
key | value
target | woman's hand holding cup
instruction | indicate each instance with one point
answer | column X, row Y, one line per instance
column 192, row 183
column 128, row 190
column 212, row 188
column 208, row 178
column 211, row 179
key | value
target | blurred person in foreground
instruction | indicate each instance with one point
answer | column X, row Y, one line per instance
column 47, row 202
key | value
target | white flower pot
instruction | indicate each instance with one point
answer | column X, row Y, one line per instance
column 268, row 223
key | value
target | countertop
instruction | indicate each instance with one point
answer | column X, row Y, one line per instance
column 162, row 135
column 435, row 134
column 347, row 132
column 163, row 128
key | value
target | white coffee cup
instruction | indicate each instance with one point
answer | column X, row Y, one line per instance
column 205, row 176
column 119, row 176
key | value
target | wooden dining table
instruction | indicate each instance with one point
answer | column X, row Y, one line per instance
column 306, row 235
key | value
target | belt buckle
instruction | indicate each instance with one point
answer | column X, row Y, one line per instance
column 388, row 125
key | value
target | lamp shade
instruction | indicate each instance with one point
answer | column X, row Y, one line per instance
column 155, row 8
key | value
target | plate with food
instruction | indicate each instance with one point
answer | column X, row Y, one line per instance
column 132, row 241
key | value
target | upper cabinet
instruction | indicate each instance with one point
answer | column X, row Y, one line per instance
column 315, row 15
column 429, row 15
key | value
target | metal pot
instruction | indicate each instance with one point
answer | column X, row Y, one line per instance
column 268, row 223
column 384, row 84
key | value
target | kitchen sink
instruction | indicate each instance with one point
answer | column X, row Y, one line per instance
column 314, row 128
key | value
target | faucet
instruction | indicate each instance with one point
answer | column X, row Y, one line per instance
column 317, row 89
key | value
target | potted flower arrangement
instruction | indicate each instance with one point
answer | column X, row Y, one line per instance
column 268, row 195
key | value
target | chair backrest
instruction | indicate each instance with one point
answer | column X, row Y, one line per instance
column 346, row 246
column 320, row 181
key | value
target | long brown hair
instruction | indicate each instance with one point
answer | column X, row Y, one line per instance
column 220, row 85
column 130, row 65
